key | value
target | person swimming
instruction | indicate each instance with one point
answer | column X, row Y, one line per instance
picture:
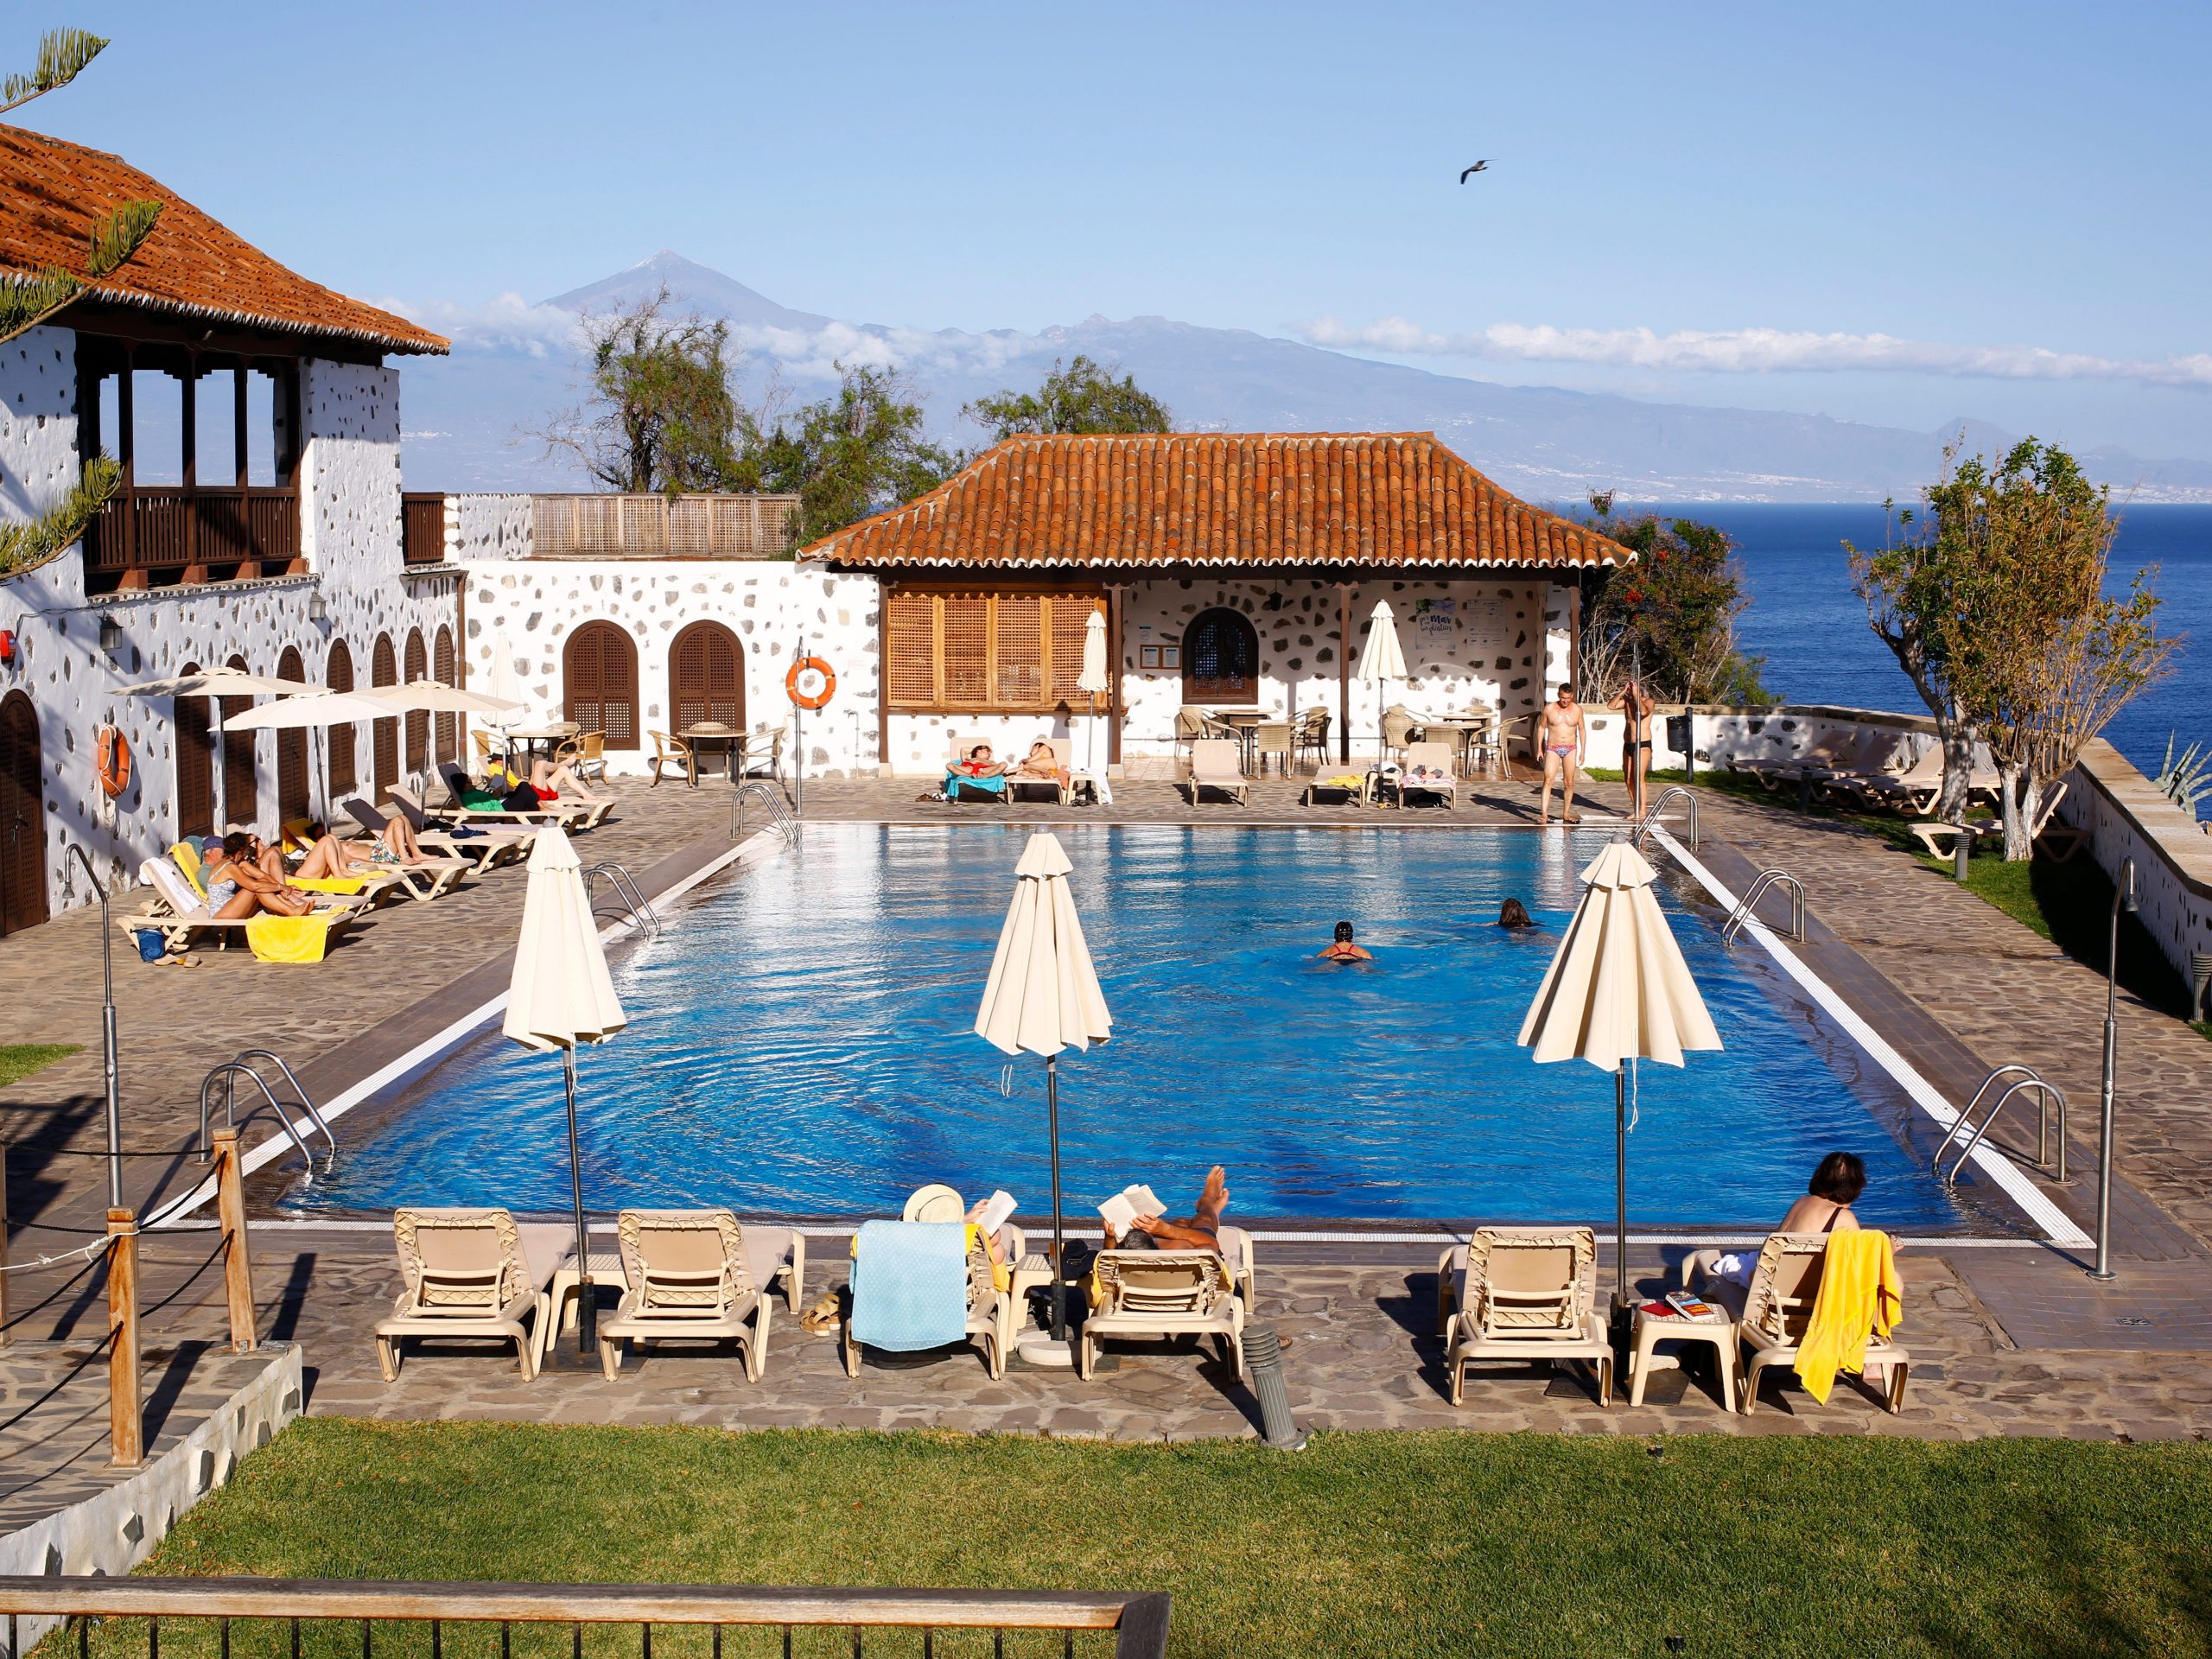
column 1342, row 948
column 1514, row 913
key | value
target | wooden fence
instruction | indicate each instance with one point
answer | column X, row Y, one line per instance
column 662, row 526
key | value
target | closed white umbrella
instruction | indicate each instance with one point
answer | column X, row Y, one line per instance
column 560, row 995
column 1093, row 678
column 1618, row 990
column 1382, row 660
column 503, row 684
column 1042, row 997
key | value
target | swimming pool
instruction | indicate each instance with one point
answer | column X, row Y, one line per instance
column 800, row 1044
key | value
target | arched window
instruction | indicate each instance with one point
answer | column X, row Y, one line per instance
column 241, row 781
column 384, row 735
column 23, row 809
column 292, row 801
column 599, row 679
column 449, row 745
column 418, row 721
column 706, row 677
column 338, row 674
column 196, row 764
column 1221, row 658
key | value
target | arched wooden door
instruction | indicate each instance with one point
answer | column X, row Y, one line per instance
column 599, row 681
column 449, row 726
column 292, row 794
column 338, row 674
column 1221, row 660
column 706, row 677
column 241, row 777
column 418, row 721
column 196, row 764
column 384, row 735
column 23, row 818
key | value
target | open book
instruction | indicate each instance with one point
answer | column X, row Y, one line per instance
column 1125, row 1206
column 996, row 1212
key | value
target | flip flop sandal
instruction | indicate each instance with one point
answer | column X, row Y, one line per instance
column 823, row 1318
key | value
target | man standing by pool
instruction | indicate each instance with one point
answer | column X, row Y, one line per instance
column 1564, row 733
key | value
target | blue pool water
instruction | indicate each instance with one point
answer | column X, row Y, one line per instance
column 800, row 1044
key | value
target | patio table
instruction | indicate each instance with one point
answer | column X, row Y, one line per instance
column 1244, row 720
column 708, row 735
column 1465, row 730
column 552, row 736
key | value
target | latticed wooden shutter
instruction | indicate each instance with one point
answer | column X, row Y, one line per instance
column 241, row 782
column 599, row 677
column 291, row 749
column 196, row 765
column 706, row 683
column 910, row 649
column 1070, row 617
column 338, row 674
column 384, row 735
column 449, row 726
column 418, row 721
column 1020, row 651
column 966, row 651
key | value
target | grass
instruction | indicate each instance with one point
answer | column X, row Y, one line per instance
column 19, row 1060
column 1429, row 1543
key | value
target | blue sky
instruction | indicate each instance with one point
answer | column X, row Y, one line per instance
column 1975, row 183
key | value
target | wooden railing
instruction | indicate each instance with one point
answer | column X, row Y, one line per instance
column 162, row 537
column 662, row 526
column 423, row 527
column 1138, row 1623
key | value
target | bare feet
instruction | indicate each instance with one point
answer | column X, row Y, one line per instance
column 1214, row 1198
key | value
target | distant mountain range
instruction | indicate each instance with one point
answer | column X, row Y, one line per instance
column 468, row 416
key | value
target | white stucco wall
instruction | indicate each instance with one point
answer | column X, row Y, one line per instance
column 350, row 531
column 771, row 606
column 487, row 527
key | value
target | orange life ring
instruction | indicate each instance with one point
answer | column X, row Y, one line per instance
column 111, row 758
column 811, row 682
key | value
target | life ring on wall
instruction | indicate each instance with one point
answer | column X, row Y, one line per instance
column 811, row 682
column 111, row 760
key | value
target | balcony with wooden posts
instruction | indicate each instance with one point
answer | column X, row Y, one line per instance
column 663, row 526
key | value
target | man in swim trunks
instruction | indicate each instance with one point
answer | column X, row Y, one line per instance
column 1564, row 733
column 1344, row 949
column 1200, row 1232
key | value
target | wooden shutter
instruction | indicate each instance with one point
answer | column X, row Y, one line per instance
column 196, row 765
column 910, row 649
column 705, row 680
column 449, row 726
column 418, row 721
column 600, row 681
column 241, row 779
column 23, row 816
column 1071, row 616
column 384, row 735
column 1221, row 660
column 338, row 674
column 1021, row 650
column 291, row 750
column 965, row 651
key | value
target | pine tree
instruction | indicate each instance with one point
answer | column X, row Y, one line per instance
column 29, row 299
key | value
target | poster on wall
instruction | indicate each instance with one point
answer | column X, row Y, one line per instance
column 1148, row 657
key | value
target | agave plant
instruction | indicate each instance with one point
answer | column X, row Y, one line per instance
column 2188, row 780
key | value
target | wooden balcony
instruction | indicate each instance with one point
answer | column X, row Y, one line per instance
column 662, row 526
column 174, row 537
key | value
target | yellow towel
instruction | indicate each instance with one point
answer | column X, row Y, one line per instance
column 287, row 938
column 329, row 883
column 1342, row 780
column 1859, row 1292
column 186, row 859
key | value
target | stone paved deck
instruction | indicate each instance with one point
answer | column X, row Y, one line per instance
column 2009, row 1340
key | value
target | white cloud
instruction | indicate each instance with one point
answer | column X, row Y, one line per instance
column 509, row 323
column 1754, row 351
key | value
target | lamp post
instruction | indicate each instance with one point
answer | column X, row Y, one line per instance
column 2123, row 898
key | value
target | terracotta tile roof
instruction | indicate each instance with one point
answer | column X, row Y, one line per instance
column 51, row 192
column 1361, row 498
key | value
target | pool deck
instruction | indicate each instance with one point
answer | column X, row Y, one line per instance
column 2009, row 1339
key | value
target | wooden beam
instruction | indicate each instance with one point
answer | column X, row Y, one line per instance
column 883, row 678
column 238, row 1261
column 1115, row 596
column 125, row 1414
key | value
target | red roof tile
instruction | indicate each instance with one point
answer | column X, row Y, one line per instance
column 51, row 192
column 1207, row 499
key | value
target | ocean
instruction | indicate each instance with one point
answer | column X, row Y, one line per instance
column 1811, row 627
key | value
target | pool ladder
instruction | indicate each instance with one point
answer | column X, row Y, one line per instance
column 1747, row 906
column 2016, row 1079
column 240, row 1065
column 643, row 917
column 779, row 819
column 1649, row 820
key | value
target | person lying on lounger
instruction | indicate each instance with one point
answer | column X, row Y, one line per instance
column 1343, row 949
column 237, row 887
column 1040, row 763
column 1201, row 1232
column 328, row 858
column 550, row 780
column 977, row 771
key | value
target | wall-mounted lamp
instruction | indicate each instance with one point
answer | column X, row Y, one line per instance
column 318, row 608
column 111, row 636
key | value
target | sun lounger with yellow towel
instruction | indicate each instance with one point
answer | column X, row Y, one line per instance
column 1792, row 1316
column 1860, row 1298
column 289, row 938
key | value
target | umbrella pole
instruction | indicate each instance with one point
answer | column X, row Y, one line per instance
column 1620, row 1186
column 586, row 1306
column 1059, row 1252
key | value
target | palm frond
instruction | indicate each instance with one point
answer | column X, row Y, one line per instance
column 26, row 546
column 28, row 300
column 119, row 235
column 61, row 55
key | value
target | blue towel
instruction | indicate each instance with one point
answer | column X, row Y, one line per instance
column 910, row 1284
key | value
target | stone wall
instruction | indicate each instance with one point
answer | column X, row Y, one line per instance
column 771, row 606
column 350, row 531
column 2127, row 817
column 483, row 527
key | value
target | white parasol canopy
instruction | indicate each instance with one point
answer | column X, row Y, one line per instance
column 1093, row 678
column 1618, row 990
column 1043, row 993
column 561, row 993
column 1382, row 658
column 216, row 683
column 322, row 708
column 436, row 697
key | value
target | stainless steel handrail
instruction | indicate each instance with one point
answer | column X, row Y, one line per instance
column 1746, row 906
column 2022, row 1077
column 306, row 1103
column 779, row 819
column 642, row 914
column 228, row 1071
column 1650, row 820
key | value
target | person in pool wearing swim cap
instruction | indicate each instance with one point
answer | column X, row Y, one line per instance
column 1343, row 949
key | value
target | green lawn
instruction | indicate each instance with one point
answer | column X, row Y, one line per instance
column 1401, row 1544
column 19, row 1060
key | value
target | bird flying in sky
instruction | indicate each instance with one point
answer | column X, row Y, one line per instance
column 1478, row 167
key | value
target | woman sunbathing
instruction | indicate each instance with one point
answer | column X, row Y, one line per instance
column 237, row 887
column 977, row 771
column 549, row 780
column 330, row 859
column 1041, row 762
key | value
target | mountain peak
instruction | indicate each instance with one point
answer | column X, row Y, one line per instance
column 691, row 287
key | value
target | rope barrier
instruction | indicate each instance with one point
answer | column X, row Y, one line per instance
column 62, row 1260
column 72, row 1152
column 220, row 1250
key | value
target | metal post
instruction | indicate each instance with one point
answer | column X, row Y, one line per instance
column 1059, row 1248
column 1620, row 1186
column 1963, row 853
column 2123, row 898
column 798, row 743
column 3, row 1267
column 112, row 1075
column 586, row 1306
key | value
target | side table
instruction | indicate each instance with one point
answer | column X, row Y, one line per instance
column 1650, row 1331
